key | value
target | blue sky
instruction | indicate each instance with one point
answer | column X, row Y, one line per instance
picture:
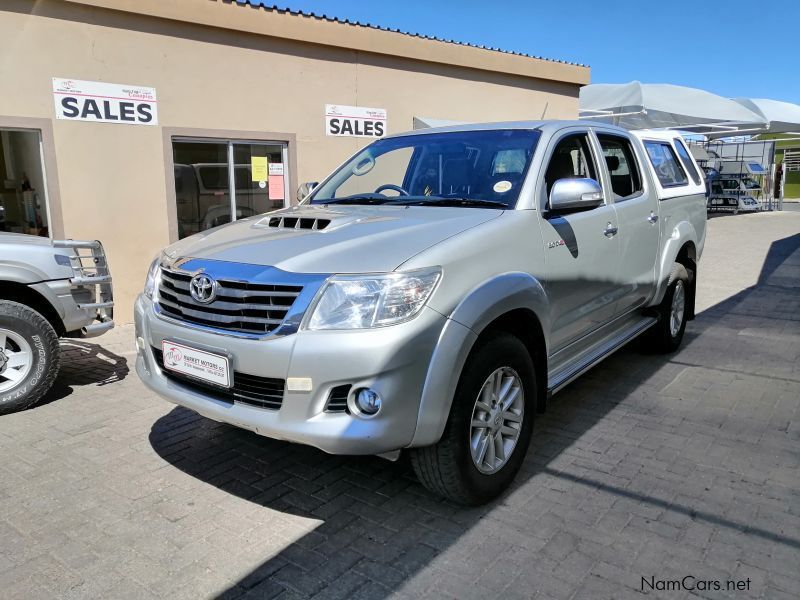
column 729, row 47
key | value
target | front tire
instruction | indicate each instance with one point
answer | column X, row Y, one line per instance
column 489, row 427
column 29, row 356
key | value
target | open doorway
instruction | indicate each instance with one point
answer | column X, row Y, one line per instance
column 23, row 193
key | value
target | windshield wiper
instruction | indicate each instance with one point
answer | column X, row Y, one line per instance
column 454, row 202
column 357, row 199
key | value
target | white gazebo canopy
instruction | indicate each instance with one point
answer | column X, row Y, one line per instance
column 780, row 117
column 637, row 105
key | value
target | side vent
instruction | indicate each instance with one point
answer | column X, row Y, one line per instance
column 337, row 399
column 298, row 223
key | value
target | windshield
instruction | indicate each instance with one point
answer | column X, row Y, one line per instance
column 483, row 169
column 751, row 184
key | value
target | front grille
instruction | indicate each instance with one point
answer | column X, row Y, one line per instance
column 337, row 399
column 263, row 392
column 255, row 308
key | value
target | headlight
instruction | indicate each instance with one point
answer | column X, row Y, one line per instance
column 364, row 301
column 153, row 275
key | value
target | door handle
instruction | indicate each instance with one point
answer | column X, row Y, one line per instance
column 653, row 217
column 610, row 231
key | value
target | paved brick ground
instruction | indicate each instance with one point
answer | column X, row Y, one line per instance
column 646, row 467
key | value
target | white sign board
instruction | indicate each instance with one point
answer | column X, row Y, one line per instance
column 355, row 121
column 104, row 102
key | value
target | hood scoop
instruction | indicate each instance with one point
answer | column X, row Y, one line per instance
column 287, row 222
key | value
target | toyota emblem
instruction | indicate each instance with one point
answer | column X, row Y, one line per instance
column 203, row 288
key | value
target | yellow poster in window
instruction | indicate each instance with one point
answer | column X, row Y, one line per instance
column 259, row 168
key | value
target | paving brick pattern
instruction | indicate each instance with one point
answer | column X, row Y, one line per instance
column 648, row 466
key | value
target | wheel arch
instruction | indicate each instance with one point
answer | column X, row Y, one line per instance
column 682, row 247
column 18, row 292
column 524, row 324
column 511, row 302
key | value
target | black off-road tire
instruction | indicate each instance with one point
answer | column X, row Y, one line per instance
column 447, row 468
column 660, row 338
column 46, row 355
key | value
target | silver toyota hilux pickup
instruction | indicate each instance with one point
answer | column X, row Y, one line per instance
column 432, row 293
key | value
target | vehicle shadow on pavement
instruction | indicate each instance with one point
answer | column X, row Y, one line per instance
column 85, row 363
column 633, row 468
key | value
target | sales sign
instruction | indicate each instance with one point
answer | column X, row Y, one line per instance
column 104, row 102
column 355, row 121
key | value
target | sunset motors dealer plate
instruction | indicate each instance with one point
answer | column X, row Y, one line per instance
column 213, row 368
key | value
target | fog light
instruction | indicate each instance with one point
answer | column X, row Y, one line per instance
column 368, row 401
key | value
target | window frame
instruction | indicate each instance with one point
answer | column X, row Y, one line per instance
column 47, row 156
column 598, row 136
column 190, row 134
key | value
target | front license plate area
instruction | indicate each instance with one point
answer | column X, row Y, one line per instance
column 199, row 364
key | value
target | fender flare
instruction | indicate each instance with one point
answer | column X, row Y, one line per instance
column 482, row 305
column 682, row 233
column 21, row 274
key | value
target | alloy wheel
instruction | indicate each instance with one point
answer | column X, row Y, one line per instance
column 16, row 359
column 677, row 308
column 496, row 421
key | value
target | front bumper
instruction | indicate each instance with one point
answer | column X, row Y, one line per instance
column 392, row 361
column 88, row 297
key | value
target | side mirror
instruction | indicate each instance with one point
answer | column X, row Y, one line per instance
column 305, row 189
column 570, row 194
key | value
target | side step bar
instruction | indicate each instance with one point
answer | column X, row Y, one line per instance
column 604, row 350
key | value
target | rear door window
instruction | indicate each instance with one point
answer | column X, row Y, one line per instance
column 668, row 170
column 626, row 181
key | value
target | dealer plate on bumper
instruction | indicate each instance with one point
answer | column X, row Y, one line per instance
column 213, row 368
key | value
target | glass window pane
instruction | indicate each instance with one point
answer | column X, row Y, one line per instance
column 23, row 203
column 256, row 194
column 571, row 159
column 687, row 161
column 426, row 168
column 371, row 173
column 622, row 168
column 668, row 169
column 201, row 185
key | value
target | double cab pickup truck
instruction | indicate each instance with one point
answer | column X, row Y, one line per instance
column 48, row 289
column 432, row 294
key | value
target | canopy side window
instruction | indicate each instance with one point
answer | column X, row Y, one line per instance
column 668, row 169
column 683, row 153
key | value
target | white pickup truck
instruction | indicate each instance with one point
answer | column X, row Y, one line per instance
column 432, row 293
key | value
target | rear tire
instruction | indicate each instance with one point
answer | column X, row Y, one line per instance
column 489, row 427
column 29, row 356
column 666, row 335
